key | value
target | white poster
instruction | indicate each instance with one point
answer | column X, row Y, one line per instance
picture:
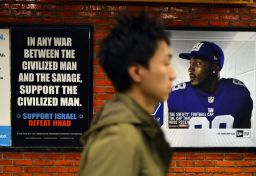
column 198, row 115
column 5, row 89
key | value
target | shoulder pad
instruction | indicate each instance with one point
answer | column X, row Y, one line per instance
column 237, row 82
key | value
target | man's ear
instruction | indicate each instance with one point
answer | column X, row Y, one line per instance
column 135, row 72
column 215, row 69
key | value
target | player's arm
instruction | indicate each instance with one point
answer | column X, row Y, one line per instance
column 245, row 114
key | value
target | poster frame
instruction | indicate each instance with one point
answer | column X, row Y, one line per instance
column 224, row 29
column 89, row 78
column 187, row 1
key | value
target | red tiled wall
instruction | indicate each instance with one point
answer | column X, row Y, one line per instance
column 212, row 162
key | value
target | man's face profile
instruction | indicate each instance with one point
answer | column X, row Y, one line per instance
column 157, row 78
column 199, row 71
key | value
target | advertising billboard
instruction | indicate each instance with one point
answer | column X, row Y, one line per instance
column 46, row 85
column 212, row 103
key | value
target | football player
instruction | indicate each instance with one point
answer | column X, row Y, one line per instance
column 208, row 101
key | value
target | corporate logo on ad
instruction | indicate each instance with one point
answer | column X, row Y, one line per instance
column 242, row 133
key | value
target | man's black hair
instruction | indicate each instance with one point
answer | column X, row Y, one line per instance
column 133, row 40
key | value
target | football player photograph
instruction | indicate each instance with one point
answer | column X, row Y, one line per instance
column 124, row 139
column 208, row 101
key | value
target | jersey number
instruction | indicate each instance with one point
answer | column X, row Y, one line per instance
column 221, row 121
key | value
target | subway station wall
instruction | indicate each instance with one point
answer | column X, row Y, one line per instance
column 186, row 161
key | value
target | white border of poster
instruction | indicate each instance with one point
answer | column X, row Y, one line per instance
column 5, row 88
column 239, row 48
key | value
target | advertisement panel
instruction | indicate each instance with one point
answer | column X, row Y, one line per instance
column 5, row 88
column 202, row 110
column 51, row 85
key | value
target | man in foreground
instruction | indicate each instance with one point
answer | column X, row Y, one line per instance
column 124, row 138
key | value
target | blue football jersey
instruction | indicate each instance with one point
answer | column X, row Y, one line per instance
column 230, row 106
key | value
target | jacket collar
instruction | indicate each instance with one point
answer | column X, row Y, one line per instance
column 123, row 109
